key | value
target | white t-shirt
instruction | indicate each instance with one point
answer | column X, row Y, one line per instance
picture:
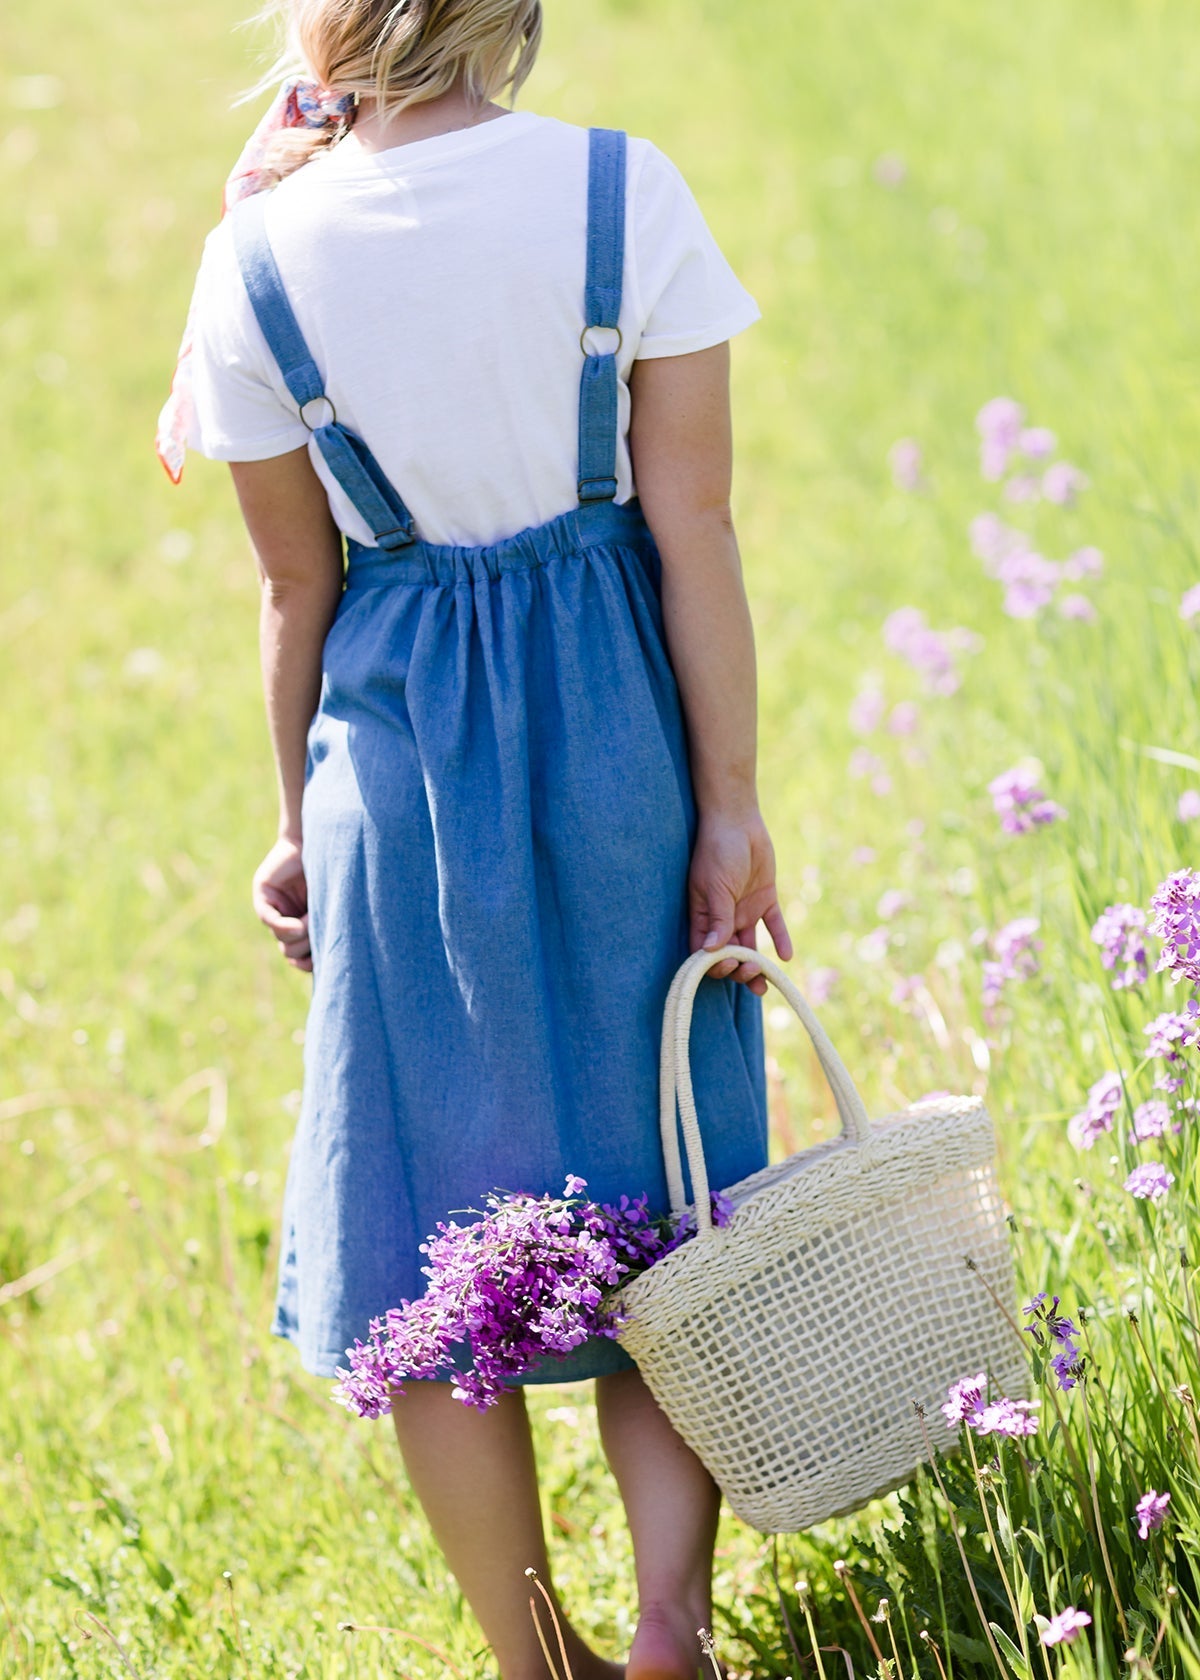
column 439, row 285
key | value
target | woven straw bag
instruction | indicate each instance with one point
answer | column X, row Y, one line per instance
column 788, row 1347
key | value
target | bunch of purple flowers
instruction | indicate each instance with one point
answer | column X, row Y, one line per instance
column 1052, row 1329
column 1020, row 803
column 532, row 1277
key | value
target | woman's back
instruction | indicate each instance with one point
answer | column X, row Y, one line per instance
column 439, row 285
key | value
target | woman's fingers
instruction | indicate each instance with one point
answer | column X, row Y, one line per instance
column 777, row 928
column 279, row 894
column 746, row 973
column 717, row 909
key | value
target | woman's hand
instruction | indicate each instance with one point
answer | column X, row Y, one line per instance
column 731, row 888
column 280, row 897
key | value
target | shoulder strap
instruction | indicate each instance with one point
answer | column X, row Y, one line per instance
column 345, row 453
column 602, row 307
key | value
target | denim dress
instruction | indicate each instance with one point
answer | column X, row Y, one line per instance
column 497, row 825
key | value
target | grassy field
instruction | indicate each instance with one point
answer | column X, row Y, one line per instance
column 934, row 204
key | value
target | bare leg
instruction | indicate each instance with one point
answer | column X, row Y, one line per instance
column 672, row 1504
column 475, row 1475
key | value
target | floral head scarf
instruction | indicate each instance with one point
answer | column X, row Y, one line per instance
column 300, row 103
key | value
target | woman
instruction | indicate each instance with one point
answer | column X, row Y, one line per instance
column 514, row 731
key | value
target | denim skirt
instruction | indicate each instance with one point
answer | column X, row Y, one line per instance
column 498, row 822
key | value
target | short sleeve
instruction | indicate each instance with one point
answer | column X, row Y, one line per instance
column 688, row 296
column 239, row 412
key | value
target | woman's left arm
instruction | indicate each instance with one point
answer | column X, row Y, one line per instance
column 298, row 549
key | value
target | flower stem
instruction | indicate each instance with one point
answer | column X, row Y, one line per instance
column 802, row 1595
column 937, row 1655
column 843, row 1575
column 937, row 1476
column 1091, row 1464
column 1018, row 1623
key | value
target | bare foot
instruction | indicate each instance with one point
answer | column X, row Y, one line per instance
column 666, row 1645
column 584, row 1663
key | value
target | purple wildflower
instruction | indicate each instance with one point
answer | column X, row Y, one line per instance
column 1029, row 579
column 819, row 984
column 965, row 1399
column 1188, row 808
column 1189, row 607
column 906, row 989
column 1149, row 1182
column 1120, row 932
column 1025, row 599
column 905, row 718
column 1065, row 1365
column 1010, row 1418
column 907, row 633
column 999, row 424
column 575, row 1184
column 992, row 541
column 532, row 1277
column 1151, row 1120
column 1175, row 908
column 1169, row 1033
column 722, row 1215
column 1096, row 1117
column 1084, row 563
column 904, row 458
column 1020, row 803
column 1023, row 487
column 867, row 709
column 1036, row 443
column 1014, row 958
column 1150, row 1512
column 722, row 1209
column 1077, row 607
column 1048, row 1320
column 891, row 903
column 1066, row 1626
column 1052, row 1328
column 1062, row 482
column 863, row 762
column 873, row 946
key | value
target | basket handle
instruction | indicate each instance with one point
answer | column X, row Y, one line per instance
column 675, row 1074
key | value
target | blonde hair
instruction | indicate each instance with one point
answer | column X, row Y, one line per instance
column 401, row 52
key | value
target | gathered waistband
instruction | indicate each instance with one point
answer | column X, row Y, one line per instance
column 590, row 525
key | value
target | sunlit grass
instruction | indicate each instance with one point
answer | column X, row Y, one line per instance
column 1040, row 243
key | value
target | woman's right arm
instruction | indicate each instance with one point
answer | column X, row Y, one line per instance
column 681, row 443
column 299, row 553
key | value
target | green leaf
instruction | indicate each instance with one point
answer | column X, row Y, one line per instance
column 158, row 1570
column 1019, row 1666
column 68, row 1584
column 971, row 1650
column 1025, row 1603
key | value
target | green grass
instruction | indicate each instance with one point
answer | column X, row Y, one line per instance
column 166, row 1469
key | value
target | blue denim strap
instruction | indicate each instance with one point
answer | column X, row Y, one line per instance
column 602, row 304
column 344, row 452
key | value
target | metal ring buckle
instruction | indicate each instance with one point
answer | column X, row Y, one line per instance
column 588, row 329
column 332, row 420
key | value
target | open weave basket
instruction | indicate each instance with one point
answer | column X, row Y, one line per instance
column 788, row 1347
